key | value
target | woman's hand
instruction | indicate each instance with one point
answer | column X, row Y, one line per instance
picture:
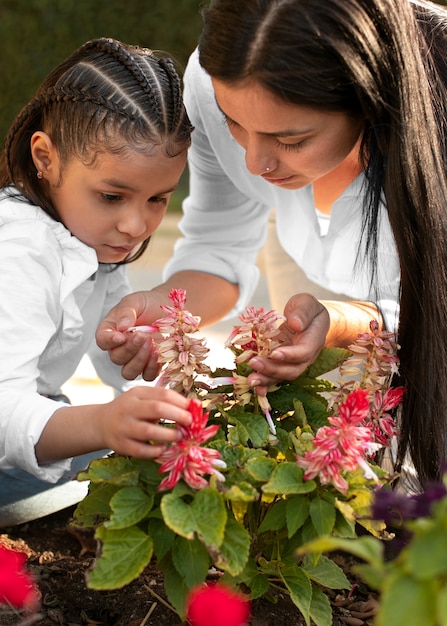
column 303, row 334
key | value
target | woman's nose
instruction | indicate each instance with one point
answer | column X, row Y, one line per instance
column 257, row 158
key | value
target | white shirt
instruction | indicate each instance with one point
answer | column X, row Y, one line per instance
column 226, row 215
column 54, row 294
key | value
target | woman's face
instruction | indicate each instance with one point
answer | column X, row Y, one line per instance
column 287, row 144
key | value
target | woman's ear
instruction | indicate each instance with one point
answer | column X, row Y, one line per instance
column 45, row 157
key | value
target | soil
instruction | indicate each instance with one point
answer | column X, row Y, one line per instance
column 59, row 558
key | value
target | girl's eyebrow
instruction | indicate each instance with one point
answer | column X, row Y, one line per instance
column 281, row 133
column 120, row 185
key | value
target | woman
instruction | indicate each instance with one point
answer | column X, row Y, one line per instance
column 338, row 110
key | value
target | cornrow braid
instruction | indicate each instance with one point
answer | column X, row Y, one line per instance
column 145, row 78
column 107, row 95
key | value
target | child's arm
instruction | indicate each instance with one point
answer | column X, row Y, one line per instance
column 125, row 425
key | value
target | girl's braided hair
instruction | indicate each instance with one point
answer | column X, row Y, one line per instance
column 107, row 95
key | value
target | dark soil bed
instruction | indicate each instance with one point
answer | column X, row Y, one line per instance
column 59, row 558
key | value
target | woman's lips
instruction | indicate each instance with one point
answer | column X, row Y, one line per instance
column 277, row 181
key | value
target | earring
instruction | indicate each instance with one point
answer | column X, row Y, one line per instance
column 39, row 174
column 267, row 169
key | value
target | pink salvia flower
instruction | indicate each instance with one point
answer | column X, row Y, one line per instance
column 256, row 336
column 341, row 446
column 187, row 459
column 181, row 356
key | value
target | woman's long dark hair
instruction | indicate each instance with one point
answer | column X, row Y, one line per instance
column 385, row 60
column 106, row 96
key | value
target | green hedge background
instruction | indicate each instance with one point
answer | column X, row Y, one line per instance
column 35, row 35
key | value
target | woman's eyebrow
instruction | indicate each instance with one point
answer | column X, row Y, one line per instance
column 292, row 132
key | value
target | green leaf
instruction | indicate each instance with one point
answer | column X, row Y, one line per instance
column 257, row 582
column 249, row 428
column 367, row 548
column 95, row 507
column 234, row 551
column 309, row 532
column 297, row 513
column 206, row 515
column 329, row 359
column 260, row 468
column 300, row 589
column 326, row 573
column 288, row 479
column 176, row 590
column 275, row 518
column 320, row 608
column 191, row 560
column 442, row 607
column 162, row 536
column 149, row 472
column 242, row 492
column 308, row 392
column 117, row 470
column 427, row 554
column 130, row 505
column 370, row 574
column 322, row 514
column 125, row 553
column 344, row 527
column 407, row 601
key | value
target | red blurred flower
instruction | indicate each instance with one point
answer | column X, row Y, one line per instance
column 187, row 459
column 17, row 587
column 216, row 605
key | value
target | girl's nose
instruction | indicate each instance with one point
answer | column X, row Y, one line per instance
column 133, row 222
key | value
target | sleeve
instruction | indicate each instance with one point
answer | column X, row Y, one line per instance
column 223, row 229
column 117, row 286
column 30, row 274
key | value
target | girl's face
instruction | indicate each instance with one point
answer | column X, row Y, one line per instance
column 117, row 202
column 298, row 144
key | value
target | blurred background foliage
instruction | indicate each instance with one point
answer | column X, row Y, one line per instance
column 36, row 35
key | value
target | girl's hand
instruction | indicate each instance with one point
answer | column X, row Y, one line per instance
column 133, row 351
column 131, row 425
column 303, row 334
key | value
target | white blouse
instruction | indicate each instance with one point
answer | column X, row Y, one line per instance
column 226, row 214
column 54, row 296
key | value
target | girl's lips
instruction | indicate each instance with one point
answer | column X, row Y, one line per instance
column 122, row 249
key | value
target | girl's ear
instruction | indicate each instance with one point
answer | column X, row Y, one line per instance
column 45, row 156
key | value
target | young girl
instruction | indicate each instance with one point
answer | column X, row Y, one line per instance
column 86, row 174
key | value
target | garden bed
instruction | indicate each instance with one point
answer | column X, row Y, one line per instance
column 59, row 558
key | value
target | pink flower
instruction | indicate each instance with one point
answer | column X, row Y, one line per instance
column 181, row 356
column 17, row 586
column 256, row 335
column 341, row 446
column 216, row 605
column 187, row 459
column 381, row 421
